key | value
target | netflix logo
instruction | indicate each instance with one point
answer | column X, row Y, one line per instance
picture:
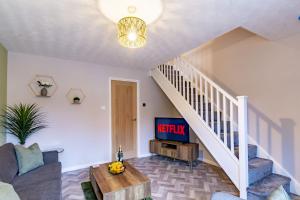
column 171, row 128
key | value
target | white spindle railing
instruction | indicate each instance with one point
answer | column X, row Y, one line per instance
column 230, row 124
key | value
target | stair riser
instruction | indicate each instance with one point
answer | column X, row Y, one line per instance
column 236, row 140
column 252, row 152
column 204, row 107
column 209, row 116
column 259, row 173
column 222, row 128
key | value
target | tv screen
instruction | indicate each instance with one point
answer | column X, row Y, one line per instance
column 175, row 129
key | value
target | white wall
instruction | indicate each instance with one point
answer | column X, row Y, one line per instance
column 269, row 73
column 82, row 130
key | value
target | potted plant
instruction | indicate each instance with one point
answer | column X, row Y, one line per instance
column 44, row 85
column 76, row 100
column 22, row 120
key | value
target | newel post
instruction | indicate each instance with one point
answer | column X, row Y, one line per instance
column 243, row 144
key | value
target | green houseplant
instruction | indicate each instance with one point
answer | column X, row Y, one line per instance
column 22, row 120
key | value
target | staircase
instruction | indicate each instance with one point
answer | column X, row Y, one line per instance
column 220, row 121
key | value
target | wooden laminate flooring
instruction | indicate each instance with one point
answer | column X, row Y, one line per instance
column 170, row 180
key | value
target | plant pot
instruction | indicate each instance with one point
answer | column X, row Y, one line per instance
column 76, row 100
column 44, row 92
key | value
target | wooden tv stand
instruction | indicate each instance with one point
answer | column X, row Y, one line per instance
column 182, row 151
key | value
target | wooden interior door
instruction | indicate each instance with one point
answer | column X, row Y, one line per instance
column 124, row 118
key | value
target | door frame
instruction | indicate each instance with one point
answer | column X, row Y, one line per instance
column 137, row 113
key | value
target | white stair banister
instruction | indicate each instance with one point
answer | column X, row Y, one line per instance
column 193, row 94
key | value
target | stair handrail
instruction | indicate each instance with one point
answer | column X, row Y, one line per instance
column 181, row 63
column 189, row 72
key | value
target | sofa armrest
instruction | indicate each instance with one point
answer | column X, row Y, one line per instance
column 50, row 157
column 224, row 196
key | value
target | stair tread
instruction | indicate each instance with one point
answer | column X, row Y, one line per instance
column 268, row 184
column 258, row 162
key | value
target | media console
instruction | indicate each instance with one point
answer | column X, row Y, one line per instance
column 182, row 151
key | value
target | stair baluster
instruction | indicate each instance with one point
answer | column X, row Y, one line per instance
column 220, row 121
column 216, row 108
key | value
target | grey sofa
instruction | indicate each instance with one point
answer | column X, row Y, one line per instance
column 43, row 183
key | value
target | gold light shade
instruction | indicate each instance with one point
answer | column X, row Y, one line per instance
column 132, row 32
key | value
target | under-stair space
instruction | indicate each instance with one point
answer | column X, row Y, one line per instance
column 219, row 120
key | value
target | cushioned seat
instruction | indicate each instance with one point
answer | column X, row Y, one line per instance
column 44, row 173
column 42, row 183
column 47, row 190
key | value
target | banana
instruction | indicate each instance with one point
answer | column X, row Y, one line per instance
column 116, row 167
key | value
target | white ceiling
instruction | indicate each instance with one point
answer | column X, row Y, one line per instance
column 76, row 30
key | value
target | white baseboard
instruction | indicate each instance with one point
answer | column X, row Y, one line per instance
column 277, row 167
column 77, row 167
column 144, row 155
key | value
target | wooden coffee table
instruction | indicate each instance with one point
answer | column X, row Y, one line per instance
column 130, row 185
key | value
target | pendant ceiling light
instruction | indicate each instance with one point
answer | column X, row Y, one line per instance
column 132, row 18
column 132, row 32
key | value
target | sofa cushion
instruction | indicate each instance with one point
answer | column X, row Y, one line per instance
column 50, row 157
column 41, row 174
column 7, row 192
column 47, row 190
column 8, row 163
column 29, row 158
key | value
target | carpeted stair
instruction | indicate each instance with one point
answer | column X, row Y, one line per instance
column 261, row 179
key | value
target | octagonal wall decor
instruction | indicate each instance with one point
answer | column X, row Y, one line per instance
column 43, row 86
column 75, row 96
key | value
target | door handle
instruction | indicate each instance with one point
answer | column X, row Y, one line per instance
column 134, row 120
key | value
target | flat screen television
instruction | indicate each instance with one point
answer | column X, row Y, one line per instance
column 175, row 129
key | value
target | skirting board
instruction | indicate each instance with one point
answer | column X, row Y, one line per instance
column 277, row 167
column 144, row 155
column 77, row 167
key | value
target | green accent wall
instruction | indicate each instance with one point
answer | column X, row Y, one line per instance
column 3, row 86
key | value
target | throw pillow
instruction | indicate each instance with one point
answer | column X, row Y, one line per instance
column 224, row 196
column 279, row 194
column 29, row 158
column 7, row 192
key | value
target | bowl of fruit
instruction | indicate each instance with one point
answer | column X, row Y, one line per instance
column 116, row 168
